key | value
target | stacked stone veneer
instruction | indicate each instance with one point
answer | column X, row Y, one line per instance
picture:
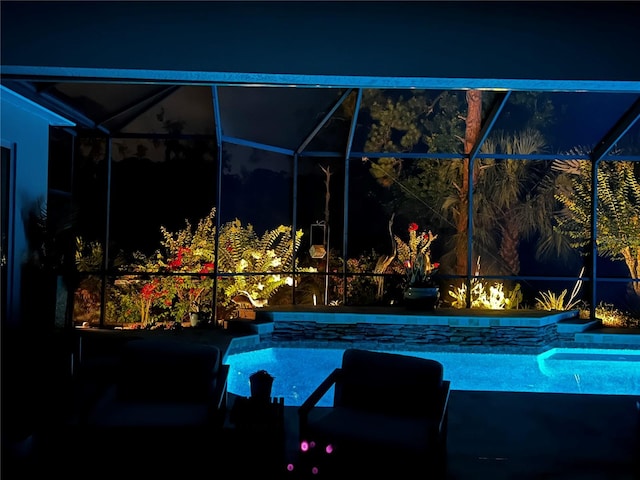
column 414, row 335
column 415, row 331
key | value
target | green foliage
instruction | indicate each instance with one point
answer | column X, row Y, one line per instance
column 613, row 317
column 190, row 251
column 550, row 301
column 486, row 296
column 618, row 207
column 185, row 265
column 242, row 251
column 361, row 289
column 617, row 210
column 510, row 199
column 89, row 256
column 415, row 256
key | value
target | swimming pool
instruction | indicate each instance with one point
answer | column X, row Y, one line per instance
column 298, row 371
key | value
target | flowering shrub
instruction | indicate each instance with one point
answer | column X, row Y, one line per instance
column 189, row 251
column 149, row 293
column 185, row 267
column 415, row 256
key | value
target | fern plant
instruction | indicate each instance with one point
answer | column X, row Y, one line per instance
column 261, row 258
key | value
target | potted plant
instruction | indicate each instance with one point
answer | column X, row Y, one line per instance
column 194, row 314
column 420, row 287
column 48, row 270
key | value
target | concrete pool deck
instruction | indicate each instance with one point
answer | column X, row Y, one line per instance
column 513, row 435
column 526, row 436
column 492, row 435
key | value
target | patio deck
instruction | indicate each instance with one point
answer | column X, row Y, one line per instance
column 492, row 435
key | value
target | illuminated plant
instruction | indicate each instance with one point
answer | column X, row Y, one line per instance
column 612, row 317
column 149, row 293
column 243, row 251
column 486, row 296
column 191, row 252
column 550, row 301
column 184, row 269
column 415, row 255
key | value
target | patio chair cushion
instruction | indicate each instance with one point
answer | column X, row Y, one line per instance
column 167, row 371
column 369, row 430
column 164, row 383
column 375, row 381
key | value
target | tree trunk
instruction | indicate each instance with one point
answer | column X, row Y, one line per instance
column 632, row 259
column 509, row 244
column 472, row 132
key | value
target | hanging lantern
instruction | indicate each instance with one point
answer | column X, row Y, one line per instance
column 317, row 249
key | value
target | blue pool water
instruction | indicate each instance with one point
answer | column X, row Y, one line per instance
column 298, row 371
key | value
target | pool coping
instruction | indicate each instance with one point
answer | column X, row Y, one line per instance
column 567, row 323
column 403, row 316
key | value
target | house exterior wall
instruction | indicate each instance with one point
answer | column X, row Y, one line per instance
column 25, row 130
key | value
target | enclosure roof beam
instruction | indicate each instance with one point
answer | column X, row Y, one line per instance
column 260, row 146
column 498, row 104
column 322, row 122
column 134, row 107
column 617, row 132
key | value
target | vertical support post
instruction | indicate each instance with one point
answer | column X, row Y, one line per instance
column 216, row 240
column 294, row 224
column 326, row 269
column 469, row 231
column 345, row 215
column 594, row 233
column 105, row 258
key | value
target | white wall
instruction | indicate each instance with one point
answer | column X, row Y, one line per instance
column 24, row 127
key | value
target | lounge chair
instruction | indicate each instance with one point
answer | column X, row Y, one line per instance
column 166, row 395
column 389, row 413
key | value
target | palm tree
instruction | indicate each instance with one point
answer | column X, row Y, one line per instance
column 512, row 198
column 515, row 198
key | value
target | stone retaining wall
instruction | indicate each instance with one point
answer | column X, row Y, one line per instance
column 490, row 332
column 412, row 337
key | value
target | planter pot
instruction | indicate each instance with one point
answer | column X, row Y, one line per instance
column 194, row 318
column 246, row 314
column 421, row 298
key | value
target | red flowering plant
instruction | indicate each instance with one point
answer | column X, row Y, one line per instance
column 415, row 255
column 189, row 255
column 149, row 294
